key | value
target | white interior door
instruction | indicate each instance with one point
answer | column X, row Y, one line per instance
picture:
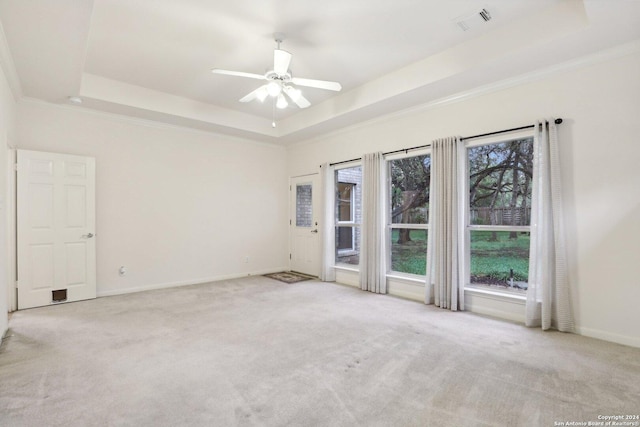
column 56, row 225
column 305, row 243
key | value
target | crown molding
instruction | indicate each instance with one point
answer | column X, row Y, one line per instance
column 145, row 122
column 605, row 55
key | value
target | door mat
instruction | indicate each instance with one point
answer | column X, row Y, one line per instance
column 288, row 277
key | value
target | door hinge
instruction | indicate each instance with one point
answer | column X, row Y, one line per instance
column 289, row 256
column 289, row 188
column 289, row 222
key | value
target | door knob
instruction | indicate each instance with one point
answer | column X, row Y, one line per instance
column 314, row 231
column 87, row 236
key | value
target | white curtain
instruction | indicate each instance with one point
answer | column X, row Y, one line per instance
column 548, row 301
column 444, row 285
column 327, row 230
column 372, row 249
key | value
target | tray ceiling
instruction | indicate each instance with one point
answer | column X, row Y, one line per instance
column 152, row 58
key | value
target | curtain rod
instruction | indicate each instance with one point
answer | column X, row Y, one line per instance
column 557, row 121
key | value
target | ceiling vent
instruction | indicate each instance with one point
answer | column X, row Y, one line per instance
column 469, row 20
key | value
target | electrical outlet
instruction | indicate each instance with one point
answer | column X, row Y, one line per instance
column 122, row 271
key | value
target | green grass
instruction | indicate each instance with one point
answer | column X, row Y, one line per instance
column 493, row 255
column 412, row 256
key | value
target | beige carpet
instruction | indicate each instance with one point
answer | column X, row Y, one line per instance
column 257, row 352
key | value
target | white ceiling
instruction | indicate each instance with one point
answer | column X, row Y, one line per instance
column 152, row 58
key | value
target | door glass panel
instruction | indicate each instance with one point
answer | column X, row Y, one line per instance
column 304, row 207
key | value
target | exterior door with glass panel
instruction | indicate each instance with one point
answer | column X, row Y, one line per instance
column 55, row 228
column 305, row 241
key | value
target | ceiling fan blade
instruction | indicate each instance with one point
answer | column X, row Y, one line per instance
column 319, row 84
column 296, row 96
column 260, row 93
column 237, row 74
column 281, row 61
column 302, row 102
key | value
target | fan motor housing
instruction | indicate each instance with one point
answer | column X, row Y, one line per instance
column 272, row 75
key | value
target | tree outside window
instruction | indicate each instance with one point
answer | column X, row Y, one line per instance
column 500, row 181
column 409, row 213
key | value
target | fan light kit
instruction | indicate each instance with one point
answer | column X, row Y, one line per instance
column 280, row 81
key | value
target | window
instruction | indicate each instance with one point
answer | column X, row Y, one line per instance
column 408, row 228
column 499, row 214
column 348, row 214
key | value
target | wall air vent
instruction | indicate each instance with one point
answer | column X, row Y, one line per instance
column 463, row 25
column 475, row 18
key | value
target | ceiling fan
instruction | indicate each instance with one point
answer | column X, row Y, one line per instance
column 280, row 81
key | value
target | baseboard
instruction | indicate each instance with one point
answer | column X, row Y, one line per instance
column 187, row 282
column 608, row 336
column 406, row 295
column 491, row 312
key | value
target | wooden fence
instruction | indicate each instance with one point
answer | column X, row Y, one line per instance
column 500, row 216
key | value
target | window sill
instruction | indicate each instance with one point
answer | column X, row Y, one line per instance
column 409, row 279
column 347, row 252
column 346, row 267
column 498, row 296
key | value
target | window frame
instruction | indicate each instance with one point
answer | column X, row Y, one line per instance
column 467, row 228
column 353, row 224
column 390, row 226
column 352, row 215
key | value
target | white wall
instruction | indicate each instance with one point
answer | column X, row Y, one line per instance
column 178, row 206
column 174, row 206
column 7, row 129
column 600, row 157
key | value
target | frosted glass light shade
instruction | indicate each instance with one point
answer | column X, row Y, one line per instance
column 281, row 103
column 262, row 93
column 274, row 89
